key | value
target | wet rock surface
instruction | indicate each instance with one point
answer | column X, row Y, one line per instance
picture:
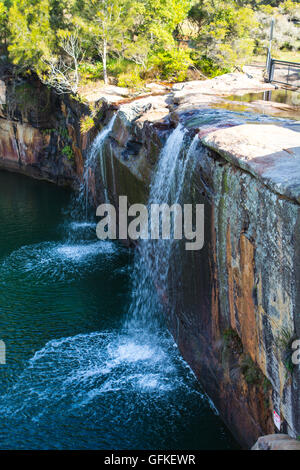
column 191, row 95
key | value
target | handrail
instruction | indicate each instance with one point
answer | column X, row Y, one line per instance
column 285, row 62
column 271, row 68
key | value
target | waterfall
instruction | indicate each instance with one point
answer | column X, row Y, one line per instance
column 153, row 258
column 95, row 150
column 110, row 384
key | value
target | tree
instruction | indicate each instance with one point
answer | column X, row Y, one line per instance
column 31, row 36
column 63, row 73
column 160, row 20
column 225, row 30
column 3, row 21
column 102, row 21
column 130, row 29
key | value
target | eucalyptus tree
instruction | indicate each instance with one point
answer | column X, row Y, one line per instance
column 129, row 28
column 104, row 23
column 31, row 36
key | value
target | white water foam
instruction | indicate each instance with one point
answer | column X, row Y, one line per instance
column 72, row 372
column 56, row 261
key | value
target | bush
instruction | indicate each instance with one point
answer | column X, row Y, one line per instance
column 90, row 72
column 86, row 124
column 68, row 152
column 63, row 132
column 118, row 66
column 251, row 371
column 284, row 342
column 232, row 341
column 171, row 65
column 209, row 68
column 130, row 80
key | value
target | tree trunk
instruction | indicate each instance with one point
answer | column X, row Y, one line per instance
column 104, row 54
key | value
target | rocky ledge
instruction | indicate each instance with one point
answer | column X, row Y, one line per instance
column 276, row 442
column 270, row 153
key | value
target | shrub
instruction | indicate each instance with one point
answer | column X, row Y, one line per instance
column 251, row 371
column 68, row 152
column 86, row 124
column 63, row 132
column 90, row 71
column 284, row 342
column 130, row 80
column 209, row 68
column 172, row 64
column 118, row 66
column 232, row 341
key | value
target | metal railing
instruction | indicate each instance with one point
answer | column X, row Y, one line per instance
column 283, row 72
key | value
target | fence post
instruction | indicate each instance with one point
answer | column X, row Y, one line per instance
column 271, row 72
column 269, row 58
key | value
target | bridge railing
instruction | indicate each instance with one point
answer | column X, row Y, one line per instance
column 284, row 72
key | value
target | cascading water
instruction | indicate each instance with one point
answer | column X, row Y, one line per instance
column 151, row 260
column 95, row 152
column 153, row 257
column 106, row 382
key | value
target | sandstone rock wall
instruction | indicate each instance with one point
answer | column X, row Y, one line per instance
column 256, row 267
column 40, row 132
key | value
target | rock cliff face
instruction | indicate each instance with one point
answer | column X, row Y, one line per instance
column 238, row 311
column 256, row 250
column 40, row 132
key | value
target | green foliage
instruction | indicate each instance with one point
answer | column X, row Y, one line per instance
column 47, row 131
column 90, row 71
column 266, row 385
column 63, row 132
column 68, row 152
column 3, row 20
column 254, row 376
column 128, row 41
column 171, row 64
column 130, row 80
column 224, row 31
column 114, row 31
column 86, row 124
column 30, row 34
column 286, row 33
column 119, row 65
column 284, row 342
column 209, row 68
column 284, row 338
